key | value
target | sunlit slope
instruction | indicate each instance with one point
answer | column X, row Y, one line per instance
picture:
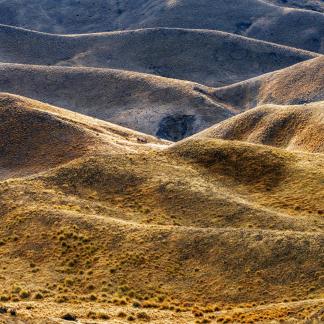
column 36, row 137
column 208, row 57
column 316, row 5
column 291, row 127
column 298, row 84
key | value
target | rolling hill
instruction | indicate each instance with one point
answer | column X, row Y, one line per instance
column 161, row 161
column 297, row 84
column 316, row 5
column 291, row 127
column 251, row 18
column 165, row 52
column 28, row 126
column 171, row 109
column 168, row 108
column 129, row 228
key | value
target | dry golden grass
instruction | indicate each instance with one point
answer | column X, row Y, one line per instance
column 298, row 84
column 298, row 128
column 200, row 231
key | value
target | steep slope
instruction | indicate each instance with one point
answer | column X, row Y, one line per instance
column 290, row 127
column 166, row 52
column 252, row 18
column 316, row 5
column 170, row 109
column 219, row 230
column 298, row 84
column 199, row 227
column 36, row 137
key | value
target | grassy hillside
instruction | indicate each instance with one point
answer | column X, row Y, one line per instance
column 171, row 109
column 316, row 5
column 252, row 18
column 168, row 108
column 298, row 84
column 204, row 229
column 290, row 127
column 208, row 57
column 161, row 161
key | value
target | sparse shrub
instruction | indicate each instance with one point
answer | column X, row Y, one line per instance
column 91, row 287
column 24, row 294
column 39, row 296
column 136, row 304
column 121, row 314
column 122, row 301
column 3, row 309
column 68, row 282
column 92, row 315
column 131, row 318
column 197, row 313
column 103, row 316
column 93, row 297
column 62, row 299
column 143, row 316
column 160, row 298
column 13, row 312
column 4, row 298
column 16, row 289
column 131, row 294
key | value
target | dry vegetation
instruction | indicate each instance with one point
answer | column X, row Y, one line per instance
column 291, row 127
column 166, row 52
column 133, row 229
column 298, row 84
column 216, row 216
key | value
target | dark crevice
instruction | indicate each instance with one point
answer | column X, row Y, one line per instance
column 176, row 127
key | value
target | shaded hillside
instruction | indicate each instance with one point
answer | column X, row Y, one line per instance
column 298, row 84
column 36, row 137
column 252, row 18
column 201, row 228
column 290, row 127
column 207, row 57
column 170, row 109
column 316, row 5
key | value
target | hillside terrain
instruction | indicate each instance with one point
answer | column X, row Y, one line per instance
column 291, row 127
column 168, row 108
column 161, row 161
column 173, row 109
column 175, row 216
column 162, row 51
column 297, row 84
column 316, row 5
column 251, row 18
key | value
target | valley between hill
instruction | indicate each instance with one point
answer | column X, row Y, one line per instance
column 161, row 161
